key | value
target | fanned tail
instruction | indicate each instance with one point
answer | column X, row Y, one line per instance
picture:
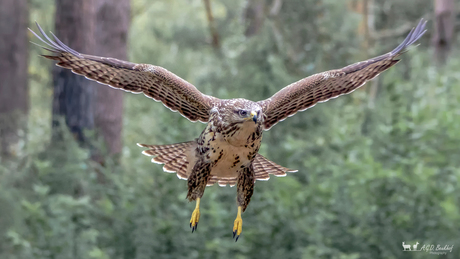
column 263, row 168
column 175, row 157
column 222, row 181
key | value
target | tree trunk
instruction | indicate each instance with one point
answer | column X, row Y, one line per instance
column 73, row 94
column 444, row 11
column 112, row 24
column 212, row 25
column 13, row 73
column 254, row 16
column 363, row 7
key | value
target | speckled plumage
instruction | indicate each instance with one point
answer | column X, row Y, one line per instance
column 226, row 152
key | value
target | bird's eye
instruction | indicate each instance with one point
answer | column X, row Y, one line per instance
column 242, row 113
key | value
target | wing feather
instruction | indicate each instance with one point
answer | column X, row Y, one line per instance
column 153, row 81
column 321, row 87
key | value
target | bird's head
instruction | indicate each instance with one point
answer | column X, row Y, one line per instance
column 240, row 111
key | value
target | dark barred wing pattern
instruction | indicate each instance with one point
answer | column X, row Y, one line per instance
column 153, row 81
column 321, row 87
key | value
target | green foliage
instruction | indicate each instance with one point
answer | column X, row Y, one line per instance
column 372, row 172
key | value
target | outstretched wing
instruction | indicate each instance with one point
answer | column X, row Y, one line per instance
column 153, row 81
column 321, row 87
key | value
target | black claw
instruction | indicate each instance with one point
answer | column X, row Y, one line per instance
column 237, row 238
column 190, row 224
column 196, row 226
column 234, row 233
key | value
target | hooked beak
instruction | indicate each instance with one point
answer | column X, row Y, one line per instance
column 254, row 116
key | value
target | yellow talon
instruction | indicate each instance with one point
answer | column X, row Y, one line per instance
column 195, row 216
column 238, row 225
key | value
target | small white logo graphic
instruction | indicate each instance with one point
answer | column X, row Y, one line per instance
column 408, row 247
column 432, row 249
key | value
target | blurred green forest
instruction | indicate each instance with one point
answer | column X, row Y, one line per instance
column 377, row 167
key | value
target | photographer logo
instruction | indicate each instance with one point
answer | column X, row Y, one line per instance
column 428, row 248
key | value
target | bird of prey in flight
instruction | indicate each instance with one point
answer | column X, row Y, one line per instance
column 226, row 152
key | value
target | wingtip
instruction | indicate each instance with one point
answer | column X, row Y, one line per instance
column 56, row 45
column 415, row 34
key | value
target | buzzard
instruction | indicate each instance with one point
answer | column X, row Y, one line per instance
column 226, row 152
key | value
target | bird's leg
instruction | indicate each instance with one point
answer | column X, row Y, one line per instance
column 245, row 189
column 196, row 185
column 195, row 216
column 238, row 224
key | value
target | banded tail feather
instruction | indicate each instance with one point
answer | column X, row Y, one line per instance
column 263, row 168
column 175, row 157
